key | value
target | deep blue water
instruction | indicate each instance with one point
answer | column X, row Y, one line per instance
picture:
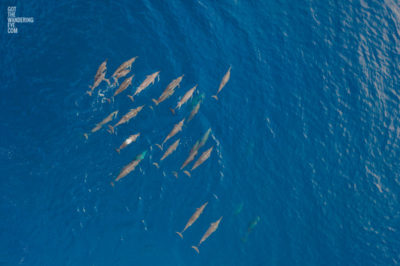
column 305, row 133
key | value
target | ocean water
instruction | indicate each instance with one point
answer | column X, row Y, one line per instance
column 305, row 166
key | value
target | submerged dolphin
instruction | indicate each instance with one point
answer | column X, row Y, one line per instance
column 169, row 90
column 193, row 219
column 103, row 122
column 99, row 77
column 174, row 131
column 202, row 158
column 150, row 79
column 184, row 99
column 211, row 229
column 131, row 114
column 130, row 167
column 194, row 111
column 224, row 80
column 129, row 140
column 171, row 149
column 195, row 148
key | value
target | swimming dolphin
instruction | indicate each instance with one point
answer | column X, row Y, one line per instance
column 194, row 111
column 204, row 138
column 184, row 99
column 122, row 69
column 171, row 149
column 103, row 122
column 130, row 167
column 99, row 77
column 127, row 82
column 169, row 90
column 192, row 154
column 119, row 75
column 150, row 79
column 174, row 131
column 224, row 80
column 195, row 148
column 211, row 229
column 202, row 158
column 131, row 114
column 129, row 140
column 193, row 219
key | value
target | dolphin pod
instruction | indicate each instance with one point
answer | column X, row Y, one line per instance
column 190, row 98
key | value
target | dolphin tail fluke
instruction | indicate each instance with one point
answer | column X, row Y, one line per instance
column 108, row 82
column 156, row 165
column 187, row 173
column 89, row 92
column 155, row 101
column 86, row 135
column 180, row 234
column 118, row 150
column 111, row 129
column 197, row 249
column 172, row 111
column 159, row 146
column 215, row 97
column 131, row 97
column 112, row 184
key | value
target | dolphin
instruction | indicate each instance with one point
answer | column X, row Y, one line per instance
column 202, row 158
column 184, row 99
column 169, row 90
column 195, row 148
column 127, row 82
column 194, row 111
column 192, row 154
column 204, row 138
column 119, row 75
column 224, row 80
column 211, row 229
column 193, row 219
column 171, row 149
column 129, row 140
column 250, row 228
column 103, row 122
column 174, row 131
column 97, row 80
column 124, row 66
column 150, row 79
column 130, row 167
column 131, row 114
